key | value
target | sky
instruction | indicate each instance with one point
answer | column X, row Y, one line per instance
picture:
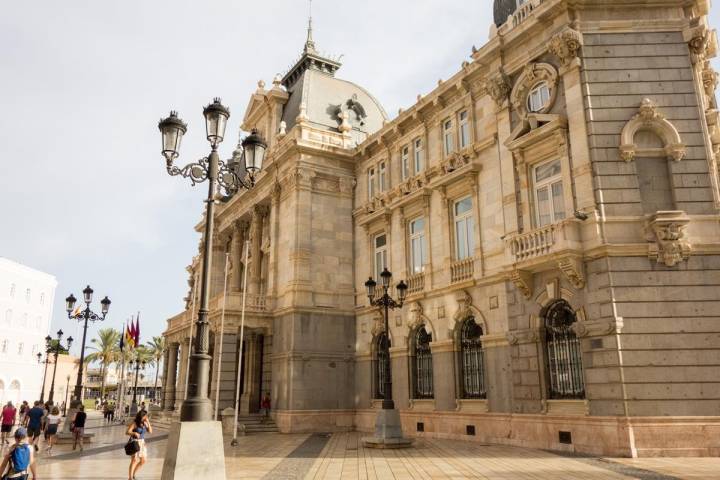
column 84, row 194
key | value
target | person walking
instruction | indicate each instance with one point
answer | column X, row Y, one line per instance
column 53, row 421
column 19, row 459
column 78, row 427
column 24, row 409
column 139, row 427
column 8, row 420
column 265, row 406
column 34, row 423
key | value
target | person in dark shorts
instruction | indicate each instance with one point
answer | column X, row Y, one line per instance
column 51, row 429
column 34, row 423
column 8, row 420
column 78, row 427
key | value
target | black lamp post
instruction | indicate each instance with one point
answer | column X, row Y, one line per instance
column 230, row 176
column 67, row 390
column 85, row 315
column 139, row 364
column 55, row 348
column 41, row 361
column 386, row 302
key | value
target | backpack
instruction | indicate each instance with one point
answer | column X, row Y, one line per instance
column 20, row 458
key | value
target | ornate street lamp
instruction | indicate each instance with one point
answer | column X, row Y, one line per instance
column 139, row 364
column 41, row 361
column 86, row 315
column 55, row 348
column 388, row 430
column 230, row 177
column 67, row 390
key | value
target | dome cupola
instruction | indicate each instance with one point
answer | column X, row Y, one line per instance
column 504, row 8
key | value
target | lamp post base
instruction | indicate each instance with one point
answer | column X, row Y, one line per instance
column 388, row 431
column 133, row 408
column 194, row 450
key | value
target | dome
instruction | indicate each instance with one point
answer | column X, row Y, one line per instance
column 503, row 9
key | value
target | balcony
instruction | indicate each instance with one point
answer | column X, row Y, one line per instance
column 254, row 302
column 524, row 11
column 533, row 246
column 462, row 270
column 416, row 283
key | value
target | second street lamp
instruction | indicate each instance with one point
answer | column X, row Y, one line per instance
column 55, row 347
column 139, row 364
column 86, row 315
column 41, row 361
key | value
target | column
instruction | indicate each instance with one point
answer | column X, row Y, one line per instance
column 170, row 381
column 182, row 372
column 238, row 254
column 255, row 245
column 163, row 379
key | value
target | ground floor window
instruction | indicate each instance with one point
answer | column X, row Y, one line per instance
column 563, row 353
column 423, row 368
column 472, row 360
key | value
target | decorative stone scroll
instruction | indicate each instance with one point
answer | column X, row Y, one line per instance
column 522, row 281
column 572, row 269
column 667, row 230
column 455, row 161
column 566, row 45
column 533, row 74
column 649, row 118
column 499, row 87
column 702, row 43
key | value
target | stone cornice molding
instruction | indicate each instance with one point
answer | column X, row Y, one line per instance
column 649, row 118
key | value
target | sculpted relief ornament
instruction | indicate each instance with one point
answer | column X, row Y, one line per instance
column 649, row 118
column 532, row 75
column 667, row 230
column 499, row 87
column 566, row 45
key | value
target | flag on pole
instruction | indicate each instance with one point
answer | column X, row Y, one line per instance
column 129, row 337
column 122, row 339
column 137, row 330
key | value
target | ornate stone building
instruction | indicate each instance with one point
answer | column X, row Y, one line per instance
column 554, row 208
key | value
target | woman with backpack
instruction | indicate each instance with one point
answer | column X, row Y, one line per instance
column 137, row 430
column 19, row 459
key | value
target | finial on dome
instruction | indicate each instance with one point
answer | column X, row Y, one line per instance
column 309, row 43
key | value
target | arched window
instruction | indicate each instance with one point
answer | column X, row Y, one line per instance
column 472, row 360
column 12, row 290
column 563, row 353
column 382, row 364
column 14, row 392
column 27, row 295
column 422, row 365
column 538, row 97
column 42, row 299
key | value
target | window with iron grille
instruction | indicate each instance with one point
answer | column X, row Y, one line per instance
column 563, row 353
column 382, row 361
column 472, row 360
column 423, row 368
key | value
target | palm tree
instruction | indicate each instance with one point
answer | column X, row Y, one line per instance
column 157, row 348
column 106, row 352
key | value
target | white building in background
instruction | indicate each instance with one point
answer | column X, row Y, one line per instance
column 26, row 305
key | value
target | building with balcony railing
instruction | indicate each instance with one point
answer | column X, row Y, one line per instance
column 554, row 209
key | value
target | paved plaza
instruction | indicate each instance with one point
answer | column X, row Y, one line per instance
column 341, row 456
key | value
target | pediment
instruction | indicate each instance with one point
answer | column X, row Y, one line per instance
column 534, row 128
column 255, row 106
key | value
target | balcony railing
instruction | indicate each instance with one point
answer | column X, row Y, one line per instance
column 254, row 302
column 416, row 283
column 462, row 270
column 524, row 11
column 545, row 240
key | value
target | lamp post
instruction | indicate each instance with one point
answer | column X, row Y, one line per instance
column 230, row 176
column 85, row 315
column 388, row 430
column 139, row 364
column 67, row 390
column 46, row 361
column 55, row 348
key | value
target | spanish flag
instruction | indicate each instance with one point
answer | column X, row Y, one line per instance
column 129, row 336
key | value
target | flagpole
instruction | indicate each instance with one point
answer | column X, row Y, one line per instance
column 189, row 347
column 222, row 332
column 242, row 333
column 121, row 388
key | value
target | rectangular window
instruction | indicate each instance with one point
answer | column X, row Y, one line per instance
column 464, row 229
column 371, row 183
column 21, row 347
column 448, row 134
column 464, row 122
column 548, row 188
column 383, row 176
column 4, row 347
column 418, row 246
column 419, row 156
column 405, row 162
column 381, row 260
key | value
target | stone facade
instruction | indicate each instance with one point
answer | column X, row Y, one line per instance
column 559, row 196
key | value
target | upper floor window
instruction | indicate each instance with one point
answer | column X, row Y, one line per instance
column 8, row 317
column 381, row 262
column 538, row 97
column 464, row 229
column 24, row 320
column 371, row 182
column 42, row 299
column 548, row 188
column 27, row 295
column 21, row 347
column 464, row 122
column 448, row 134
column 38, row 322
column 4, row 346
column 418, row 247
column 12, row 290
column 405, row 162
column 382, row 173
column 419, row 156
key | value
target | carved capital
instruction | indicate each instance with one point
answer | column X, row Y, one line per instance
column 573, row 269
column 523, row 281
column 566, row 45
column 667, row 230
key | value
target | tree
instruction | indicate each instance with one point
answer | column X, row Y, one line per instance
column 107, row 351
column 157, row 348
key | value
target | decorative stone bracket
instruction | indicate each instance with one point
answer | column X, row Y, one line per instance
column 573, row 270
column 499, row 87
column 598, row 328
column 522, row 336
column 667, row 230
column 649, row 118
column 523, row 281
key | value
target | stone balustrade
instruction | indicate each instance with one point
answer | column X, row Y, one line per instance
column 524, row 11
column 544, row 240
column 462, row 270
column 253, row 302
column 416, row 283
